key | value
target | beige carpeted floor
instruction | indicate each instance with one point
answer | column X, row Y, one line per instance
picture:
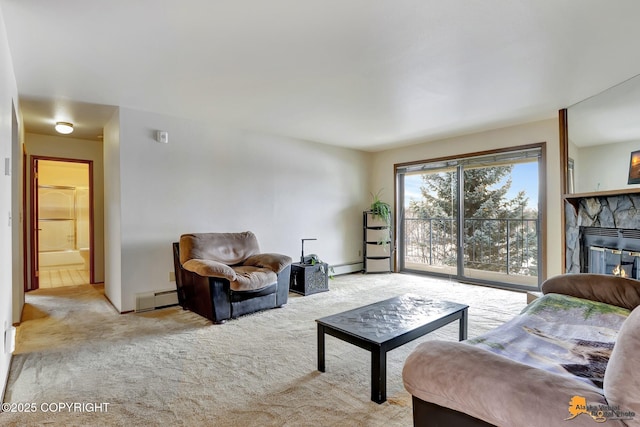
column 171, row 367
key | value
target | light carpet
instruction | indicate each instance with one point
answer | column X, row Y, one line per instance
column 173, row 367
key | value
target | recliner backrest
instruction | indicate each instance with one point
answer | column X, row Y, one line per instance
column 227, row 248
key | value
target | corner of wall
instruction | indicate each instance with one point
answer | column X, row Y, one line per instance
column 112, row 214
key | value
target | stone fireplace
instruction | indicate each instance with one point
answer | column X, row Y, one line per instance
column 603, row 232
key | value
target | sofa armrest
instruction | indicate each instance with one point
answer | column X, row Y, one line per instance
column 494, row 388
column 274, row 262
column 210, row 268
column 605, row 288
column 622, row 377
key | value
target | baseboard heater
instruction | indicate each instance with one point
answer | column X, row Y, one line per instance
column 348, row 268
column 148, row 301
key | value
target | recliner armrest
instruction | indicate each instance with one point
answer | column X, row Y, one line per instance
column 274, row 262
column 210, row 268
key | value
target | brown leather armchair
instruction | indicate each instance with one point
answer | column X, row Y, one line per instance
column 223, row 275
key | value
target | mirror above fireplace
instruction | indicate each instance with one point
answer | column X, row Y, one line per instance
column 602, row 132
column 597, row 138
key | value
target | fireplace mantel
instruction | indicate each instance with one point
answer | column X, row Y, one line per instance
column 574, row 198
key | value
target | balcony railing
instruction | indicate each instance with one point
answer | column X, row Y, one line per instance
column 504, row 245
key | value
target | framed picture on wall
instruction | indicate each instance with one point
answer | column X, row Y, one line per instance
column 634, row 168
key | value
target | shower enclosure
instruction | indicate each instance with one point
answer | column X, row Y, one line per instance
column 63, row 227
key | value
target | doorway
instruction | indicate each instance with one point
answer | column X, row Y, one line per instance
column 62, row 223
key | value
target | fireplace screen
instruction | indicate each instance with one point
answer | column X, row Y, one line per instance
column 613, row 251
column 613, row 261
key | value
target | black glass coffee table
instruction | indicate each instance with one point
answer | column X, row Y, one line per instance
column 388, row 324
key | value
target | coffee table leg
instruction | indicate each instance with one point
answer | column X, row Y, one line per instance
column 463, row 325
column 378, row 375
column 320, row 348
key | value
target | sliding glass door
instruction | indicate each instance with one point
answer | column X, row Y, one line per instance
column 430, row 226
column 473, row 218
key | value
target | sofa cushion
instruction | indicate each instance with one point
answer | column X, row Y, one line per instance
column 250, row 278
column 227, row 248
column 568, row 336
column 494, row 388
column 622, row 377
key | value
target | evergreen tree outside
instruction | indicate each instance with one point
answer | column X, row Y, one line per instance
column 500, row 232
column 434, row 230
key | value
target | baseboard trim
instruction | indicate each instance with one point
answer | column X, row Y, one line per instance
column 347, row 268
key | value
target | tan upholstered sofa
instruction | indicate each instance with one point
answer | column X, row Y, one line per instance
column 571, row 358
column 224, row 275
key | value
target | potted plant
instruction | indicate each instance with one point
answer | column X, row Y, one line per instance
column 380, row 214
column 314, row 260
column 380, row 209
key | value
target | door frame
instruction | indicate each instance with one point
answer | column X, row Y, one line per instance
column 32, row 238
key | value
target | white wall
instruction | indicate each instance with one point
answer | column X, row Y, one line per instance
column 18, row 216
column 112, row 233
column 210, row 178
column 604, row 167
column 542, row 131
column 81, row 149
column 8, row 96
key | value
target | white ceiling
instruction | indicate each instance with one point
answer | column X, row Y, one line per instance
column 366, row 74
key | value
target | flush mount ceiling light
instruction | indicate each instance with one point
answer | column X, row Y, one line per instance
column 64, row 127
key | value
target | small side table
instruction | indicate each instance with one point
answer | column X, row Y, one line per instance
column 307, row 279
column 532, row 296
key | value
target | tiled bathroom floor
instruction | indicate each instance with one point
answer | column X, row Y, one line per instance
column 59, row 278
